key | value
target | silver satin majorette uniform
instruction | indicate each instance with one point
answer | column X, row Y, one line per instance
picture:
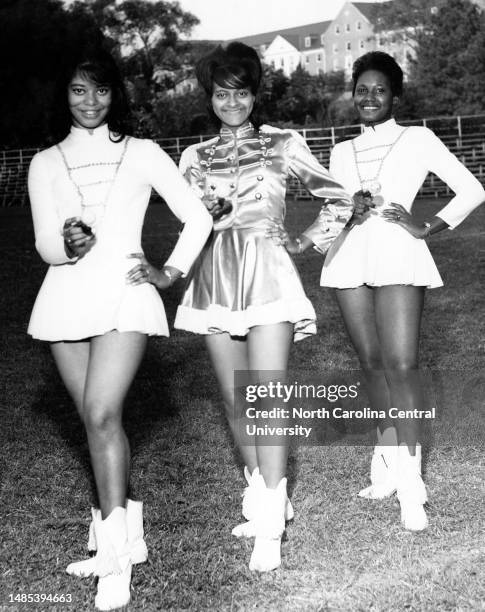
column 243, row 278
column 393, row 161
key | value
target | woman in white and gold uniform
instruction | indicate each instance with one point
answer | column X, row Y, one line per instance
column 382, row 267
column 244, row 293
column 89, row 195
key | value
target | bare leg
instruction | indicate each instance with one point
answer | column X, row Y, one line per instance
column 358, row 312
column 113, row 362
column 97, row 375
column 227, row 355
column 269, row 347
column 72, row 360
column 398, row 319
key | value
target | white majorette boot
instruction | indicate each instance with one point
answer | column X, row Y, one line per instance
column 383, row 467
column 250, row 504
column 269, row 524
column 411, row 491
column 138, row 547
column 113, row 562
column 383, row 473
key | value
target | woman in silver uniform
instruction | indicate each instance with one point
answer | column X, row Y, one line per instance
column 244, row 293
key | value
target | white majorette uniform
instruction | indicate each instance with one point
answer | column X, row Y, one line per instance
column 392, row 162
column 242, row 278
column 108, row 184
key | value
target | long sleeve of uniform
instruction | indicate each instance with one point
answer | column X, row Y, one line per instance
column 338, row 207
column 47, row 224
column 469, row 192
column 184, row 203
column 191, row 170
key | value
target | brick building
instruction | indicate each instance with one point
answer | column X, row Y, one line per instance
column 327, row 46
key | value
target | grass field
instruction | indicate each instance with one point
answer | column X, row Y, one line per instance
column 341, row 552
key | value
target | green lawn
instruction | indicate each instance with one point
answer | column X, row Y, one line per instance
column 340, row 553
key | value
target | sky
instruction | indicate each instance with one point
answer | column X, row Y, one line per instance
column 225, row 19
column 229, row 19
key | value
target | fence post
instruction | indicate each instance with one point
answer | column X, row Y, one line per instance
column 177, row 140
column 458, row 123
column 332, row 135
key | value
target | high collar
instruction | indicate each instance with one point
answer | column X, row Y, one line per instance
column 99, row 134
column 387, row 128
column 241, row 132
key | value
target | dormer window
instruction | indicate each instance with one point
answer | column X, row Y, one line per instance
column 262, row 48
column 308, row 41
column 322, row 39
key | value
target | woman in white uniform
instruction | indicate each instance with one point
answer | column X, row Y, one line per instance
column 89, row 195
column 382, row 266
column 244, row 293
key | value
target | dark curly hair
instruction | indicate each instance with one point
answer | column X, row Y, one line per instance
column 383, row 62
column 236, row 66
column 96, row 64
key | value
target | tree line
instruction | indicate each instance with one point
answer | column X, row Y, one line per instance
column 152, row 43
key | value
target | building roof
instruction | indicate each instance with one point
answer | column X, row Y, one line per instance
column 296, row 35
column 266, row 38
column 368, row 9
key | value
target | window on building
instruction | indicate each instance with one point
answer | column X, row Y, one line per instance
column 282, row 62
column 307, row 59
column 337, row 29
column 262, row 48
column 348, row 62
column 322, row 39
column 335, row 64
column 335, row 48
column 361, row 44
column 359, row 25
column 381, row 42
column 319, row 57
column 347, row 27
column 308, row 41
column 348, row 46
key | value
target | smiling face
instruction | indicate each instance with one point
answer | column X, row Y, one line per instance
column 89, row 102
column 373, row 98
column 232, row 106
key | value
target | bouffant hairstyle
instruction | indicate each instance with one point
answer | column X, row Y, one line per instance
column 236, row 67
column 97, row 65
column 383, row 62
